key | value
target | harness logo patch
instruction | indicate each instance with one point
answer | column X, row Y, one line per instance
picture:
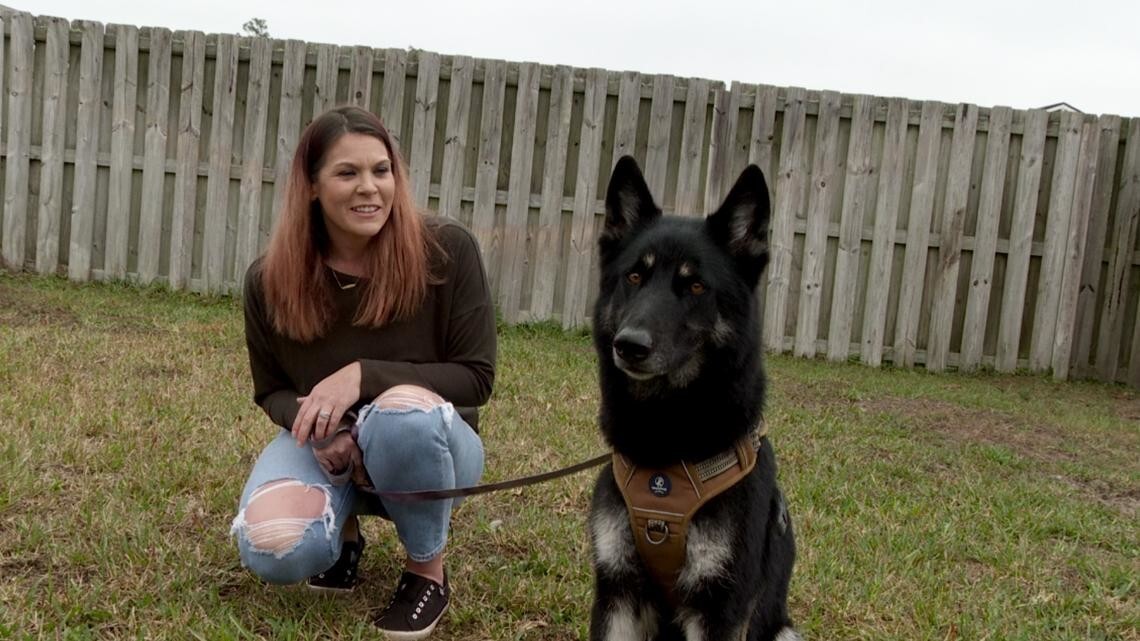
column 660, row 485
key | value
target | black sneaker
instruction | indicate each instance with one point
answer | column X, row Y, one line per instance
column 417, row 605
column 342, row 576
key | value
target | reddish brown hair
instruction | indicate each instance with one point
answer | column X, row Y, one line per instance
column 297, row 289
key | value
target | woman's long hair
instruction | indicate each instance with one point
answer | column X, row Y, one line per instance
column 397, row 272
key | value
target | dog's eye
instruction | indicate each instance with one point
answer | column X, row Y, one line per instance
column 634, row 278
column 697, row 288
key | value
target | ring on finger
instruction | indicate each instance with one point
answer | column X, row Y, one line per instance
column 325, row 414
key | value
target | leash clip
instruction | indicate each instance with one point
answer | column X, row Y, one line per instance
column 656, row 531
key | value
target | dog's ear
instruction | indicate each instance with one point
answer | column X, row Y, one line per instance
column 629, row 204
column 741, row 223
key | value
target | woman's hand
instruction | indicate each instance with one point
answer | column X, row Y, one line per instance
column 339, row 454
column 326, row 404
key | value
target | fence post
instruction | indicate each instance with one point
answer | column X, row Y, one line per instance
column 1110, row 339
column 186, row 171
column 154, row 159
column 86, row 152
column 18, row 160
column 1075, row 244
column 789, row 205
column 1056, row 240
column 51, row 160
column 1021, row 239
column 985, row 238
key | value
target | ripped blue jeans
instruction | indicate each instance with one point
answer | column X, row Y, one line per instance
column 403, row 449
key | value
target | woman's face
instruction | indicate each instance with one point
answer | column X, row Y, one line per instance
column 355, row 187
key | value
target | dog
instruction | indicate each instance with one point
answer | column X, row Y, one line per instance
column 677, row 333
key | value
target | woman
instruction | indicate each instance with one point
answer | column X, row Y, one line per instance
column 371, row 340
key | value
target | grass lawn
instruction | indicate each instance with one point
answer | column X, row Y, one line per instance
column 927, row 507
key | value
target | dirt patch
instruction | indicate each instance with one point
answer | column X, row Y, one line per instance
column 1125, row 499
column 1128, row 407
column 23, row 310
column 811, row 394
column 1041, row 442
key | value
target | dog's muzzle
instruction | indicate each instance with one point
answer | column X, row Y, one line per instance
column 632, row 348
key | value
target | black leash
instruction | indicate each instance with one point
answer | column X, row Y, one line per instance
column 433, row 495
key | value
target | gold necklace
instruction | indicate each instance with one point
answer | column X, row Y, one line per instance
column 340, row 284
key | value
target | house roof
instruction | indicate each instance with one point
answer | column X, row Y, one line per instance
column 1061, row 106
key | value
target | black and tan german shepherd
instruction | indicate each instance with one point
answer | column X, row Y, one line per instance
column 677, row 333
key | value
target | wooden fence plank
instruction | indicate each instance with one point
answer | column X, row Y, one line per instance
column 657, row 145
column 56, row 60
column 985, row 238
column 688, row 200
column 186, row 173
column 789, row 205
column 253, row 157
column 122, row 150
column 883, row 242
column 86, row 151
column 360, row 77
column 518, row 192
column 221, row 152
column 1094, row 248
column 918, row 234
column 1056, row 239
column 760, row 149
column 288, row 117
column 585, row 200
column 1127, row 214
column 490, row 141
column 625, row 128
column 764, row 131
column 423, row 126
column 726, row 110
column 324, row 89
column 1021, row 239
column 821, row 192
column 18, row 160
column 455, row 140
column 6, row 26
column 950, row 238
column 395, row 70
column 154, row 166
column 1075, row 244
column 1134, row 360
column 856, row 202
column 553, row 187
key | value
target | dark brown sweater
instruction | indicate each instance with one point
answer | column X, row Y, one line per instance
column 448, row 346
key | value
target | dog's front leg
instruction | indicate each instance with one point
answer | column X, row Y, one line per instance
column 620, row 612
column 622, row 619
column 701, row 627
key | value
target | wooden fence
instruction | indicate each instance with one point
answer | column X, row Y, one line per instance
column 911, row 232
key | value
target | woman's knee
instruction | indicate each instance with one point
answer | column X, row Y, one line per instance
column 407, row 420
column 405, row 397
column 285, row 531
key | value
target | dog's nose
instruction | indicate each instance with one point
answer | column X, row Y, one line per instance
column 633, row 345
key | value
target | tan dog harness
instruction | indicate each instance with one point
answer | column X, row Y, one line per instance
column 661, row 502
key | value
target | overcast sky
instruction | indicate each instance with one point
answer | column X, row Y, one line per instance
column 1019, row 53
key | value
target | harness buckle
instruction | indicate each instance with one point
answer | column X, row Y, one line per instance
column 656, row 531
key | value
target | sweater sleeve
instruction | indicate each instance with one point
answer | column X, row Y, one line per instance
column 467, row 371
column 272, row 390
